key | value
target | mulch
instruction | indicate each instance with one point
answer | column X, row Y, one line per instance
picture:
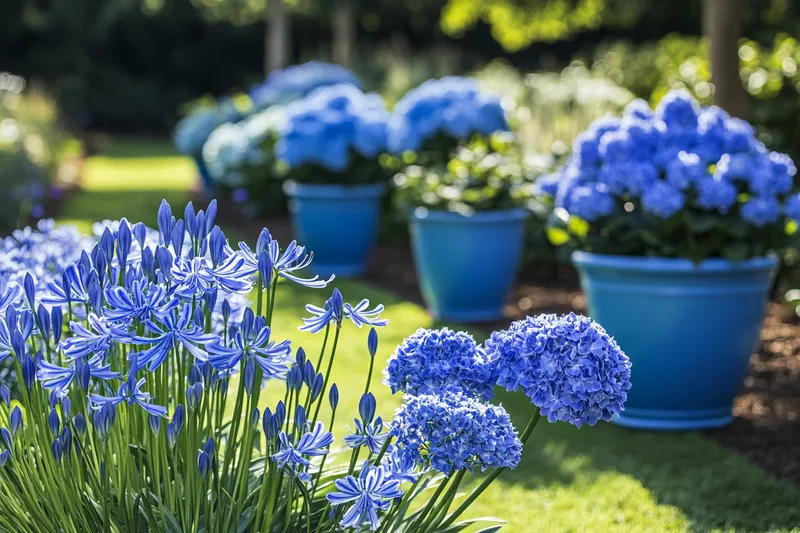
column 766, row 428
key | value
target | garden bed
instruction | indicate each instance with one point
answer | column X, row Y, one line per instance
column 765, row 429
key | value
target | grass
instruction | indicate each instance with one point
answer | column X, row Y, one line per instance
column 601, row 479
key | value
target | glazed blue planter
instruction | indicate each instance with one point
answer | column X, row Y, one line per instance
column 339, row 223
column 208, row 183
column 688, row 329
column 467, row 264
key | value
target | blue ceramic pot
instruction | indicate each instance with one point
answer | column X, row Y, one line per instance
column 688, row 329
column 208, row 182
column 467, row 264
column 339, row 223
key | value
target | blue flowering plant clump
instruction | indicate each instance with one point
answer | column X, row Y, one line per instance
column 335, row 135
column 194, row 129
column 292, row 83
column 432, row 119
column 138, row 398
column 680, row 180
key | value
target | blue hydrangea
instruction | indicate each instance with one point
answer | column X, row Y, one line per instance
column 586, row 145
column 739, row 136
column 716, row 194
column 663, row 200
column 330, row 125
column 639, row 109
column 711, row 133
column 793, row 207
column 761, row 211
column 452, row 106
column 432, row 360
column 298, row 81
column 678, row 110
column 589, row 202
column 450, row 431
column 568, row 365
column 773, row 175
column 628, row 178
column 685, row 170
column 193, row 130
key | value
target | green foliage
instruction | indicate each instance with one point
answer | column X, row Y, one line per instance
column 482, row 175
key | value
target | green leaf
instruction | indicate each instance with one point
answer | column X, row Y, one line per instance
column 171, row 524
column 736, row 252
column 244, row 521
column 702, row 223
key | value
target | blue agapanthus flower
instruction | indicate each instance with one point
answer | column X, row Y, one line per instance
column 451, row 106
column 295, row 455
column 450, row 431
column 298, row 81
column 330, row 126
column 434, row 360
column 130, row 392
column 372, row 491
column 568, row 365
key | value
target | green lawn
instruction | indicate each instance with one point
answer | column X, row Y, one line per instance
column 601, row 479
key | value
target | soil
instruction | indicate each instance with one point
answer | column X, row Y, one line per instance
column 766, row 427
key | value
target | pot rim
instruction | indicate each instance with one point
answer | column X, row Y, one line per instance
column 671, row 264
column 422, row 214
column 333, row 190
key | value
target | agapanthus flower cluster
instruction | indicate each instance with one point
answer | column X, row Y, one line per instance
column 298, row 81
column 431, row 361
column 669, row 171
column 568, row 365
column 451, row 431
column 331, row 128
column 453, row 106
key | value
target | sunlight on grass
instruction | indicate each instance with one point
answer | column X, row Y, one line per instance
column 601, row 479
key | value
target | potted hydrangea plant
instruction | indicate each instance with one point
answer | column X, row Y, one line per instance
column 676, row 213
column 292, row 83
column 467, row 225
column 328, row 147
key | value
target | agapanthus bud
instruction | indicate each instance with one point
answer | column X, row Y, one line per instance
column 194, row 375
column 211, row 214
column 43, row 321
column 194, row 394
column 12, row 316
column 107, row 243
column 30, row 290
column 300, row 357
column 249, row 375
column 336, row 302
column 265, row 268
column 96, row 298
column 58, row 450
column 300, row 418
column 53, row 399
column 209, row 447
column 104, row 420
column 18, row 345
column 26, row 323
column 82, row 373
column 203, row 464
column 226, row 310
column 148, row 263
column 179, row 417
column 124, row 242
column 66, row 284
column 5, row 436
column 255, row 416
column 165, row 221
column 79, row 423
column 66, row 407
column 372, row 342
column 5, row 395
column 210, row 299
column 280, row 413
column 333, row 396
column 316, row 389
column 223, row 387
column 198, row 317
column 309, row 374
column 28, row 371
column 155, row 423
column 198, row 227
column 4, row 458
column 295, row 378
column 177, row 237
column 66, row 440
column 266, row 424
column 172, row 434
column 366, row 407
column 54, row 422
column 139, row 232
column 57, row 323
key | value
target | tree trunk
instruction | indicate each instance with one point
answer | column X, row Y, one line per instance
column 722, row 24
column 344, row 31
column 277, row 42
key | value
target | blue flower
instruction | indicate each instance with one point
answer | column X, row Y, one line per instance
column 451, row 431
column 678, row 109
column 716, row 193
column 312, row 444
column 96, row 339
column 193, row 131
column 430, row 361
column 142, row 301
column 297, row 81
column 663, row 200
column 285, row 264
column 372, row 491
column 332, row 311
column 568, row 365
column 359, row 315
column 368, row 432
column 252, row 341
column 773, row 175
column 130, row 392
column 399, row 466
column 793, row 207
column 761, row 211
column 589, row 202
column 685, row 170
column 58, row 379
column 638, row 109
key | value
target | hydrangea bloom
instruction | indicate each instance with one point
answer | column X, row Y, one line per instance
column 451, row 431
column 331, row 125
column 568, row 365
column 663, row 200
column 590, row 202
column 193, row 130
column 451, row 106
column 430, row 361
column 298, row 81
column 793, row 207
column 761, row 211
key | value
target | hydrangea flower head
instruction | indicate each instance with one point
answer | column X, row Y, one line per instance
column 452, row 106
column 450, row 431
column 194, row 129
column 298, row 81
column 663, row 200
column 568, row 365
column 433, row 360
